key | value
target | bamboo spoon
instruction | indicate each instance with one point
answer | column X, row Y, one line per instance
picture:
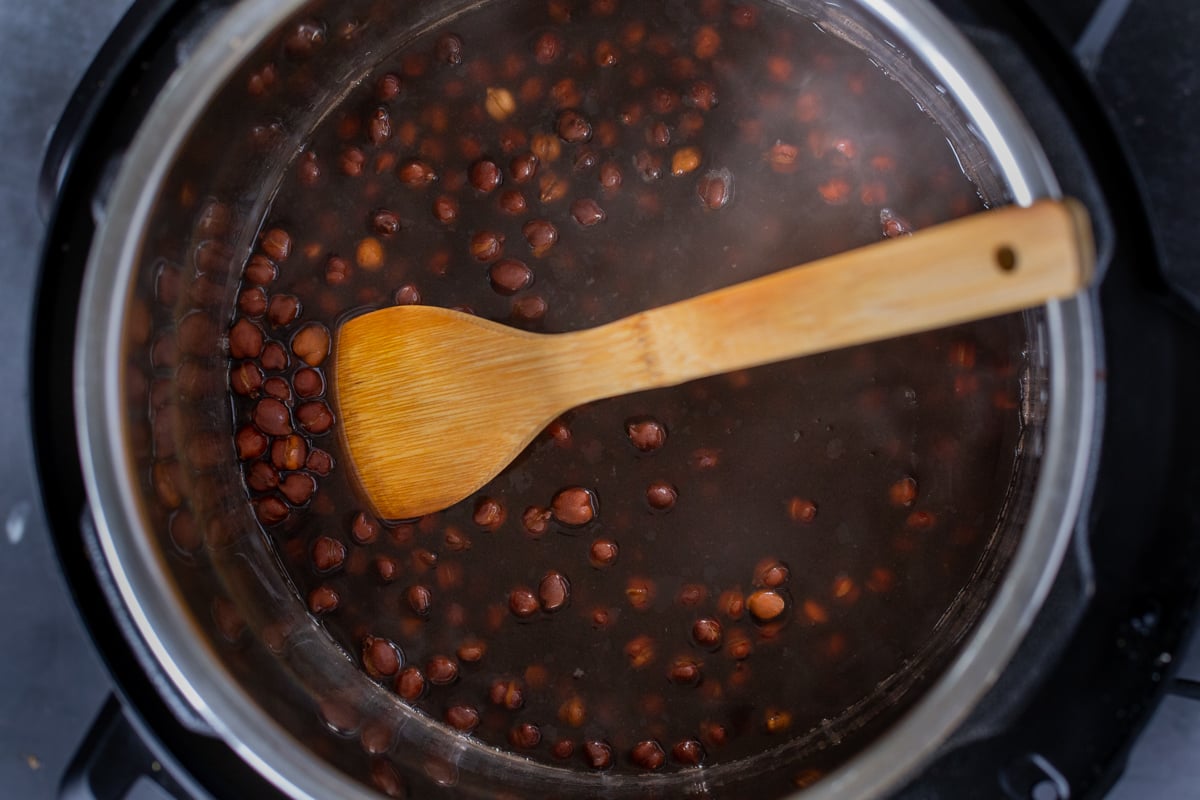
column 434, row 403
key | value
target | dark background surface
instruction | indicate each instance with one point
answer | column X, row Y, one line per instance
column 53, row 682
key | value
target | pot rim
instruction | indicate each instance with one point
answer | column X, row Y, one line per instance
column 172, row 635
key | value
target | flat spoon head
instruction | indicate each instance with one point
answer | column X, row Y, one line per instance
column 434, row 403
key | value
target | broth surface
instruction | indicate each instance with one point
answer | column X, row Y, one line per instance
column 687, row 575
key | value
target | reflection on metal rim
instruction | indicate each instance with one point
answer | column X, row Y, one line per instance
column 1071, row 421
column 170, row 633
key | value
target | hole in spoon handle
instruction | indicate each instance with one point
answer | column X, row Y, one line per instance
column 1006, row 258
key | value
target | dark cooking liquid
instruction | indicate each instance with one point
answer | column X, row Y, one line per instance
column 857, row 489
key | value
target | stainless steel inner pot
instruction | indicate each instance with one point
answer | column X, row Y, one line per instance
column 222, row 619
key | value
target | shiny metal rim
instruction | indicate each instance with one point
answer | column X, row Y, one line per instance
column 171, row 634
column 1070, row 429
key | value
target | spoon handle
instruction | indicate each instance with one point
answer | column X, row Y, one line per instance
column 973, row 268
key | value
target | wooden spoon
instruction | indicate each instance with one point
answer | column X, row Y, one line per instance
column 434, row 403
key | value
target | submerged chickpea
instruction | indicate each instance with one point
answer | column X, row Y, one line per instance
column 509, row 276
column 500, row 103
column 574, row 506
column 283, row 309
column 903, row 492
column 381, row 658
column 610, row 176
column 546, row 147
column 766, row 605
column 410, row 684
column 715, row 189
column 472, row 651
column 685, row 160
column 276, row 244
column 597, row 754
column 322, row 600
column 272, row 417
column 648, row 755
column 554, row 591
column 573, row 127
column 661, row 496
column 525, row 736
column 640, row 592
column 487, row 245
column 308, row 382
column 587, row 212
column 573, row 712
column 365, row 528
column 688, row 752
column 536, row 520
column 441, row 670
column 801, row 510
column 337, row 271
column 311, row 344
column 419, row 599
column 776, row 720
column 464, row 718
column 246, row 379
column 251, row 443
column 541, row 235
column 314, row 417
column 252, row 301
column 489, row 513
column 706, row 632
column 485, row 175
column 289, row 453
column 245, row 340
column 523, row 167
column 380, row 125
column 416, row 173
column 603, row 553
column 369, row 254
column 507, row 694
column 407, row 295
column 771, row 573
column 522, row 603
column 684, row 671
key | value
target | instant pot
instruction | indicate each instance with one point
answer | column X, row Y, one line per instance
column 1077, row 641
